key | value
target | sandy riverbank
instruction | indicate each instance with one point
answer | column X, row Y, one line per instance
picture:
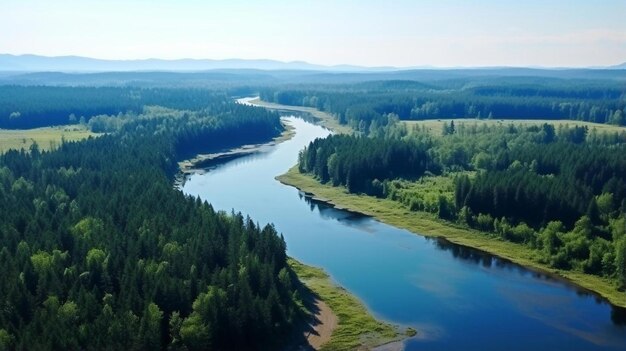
column 322, row 325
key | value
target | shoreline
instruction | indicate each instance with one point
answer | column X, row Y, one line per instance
column 419, row 223
column 323, row 324
column 328, row 300
column 201, row 162
column 353, row 326
column 324, row 118
column 425, row 225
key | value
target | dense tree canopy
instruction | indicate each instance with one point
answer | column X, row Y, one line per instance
column 359, row 105
column 100, row 252
column 23, row 107
column 561, row 191
column 360, row 163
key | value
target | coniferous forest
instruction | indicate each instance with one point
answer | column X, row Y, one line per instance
column 368, row 103
column 308, row 175
column 100, row 252
column 560, row 191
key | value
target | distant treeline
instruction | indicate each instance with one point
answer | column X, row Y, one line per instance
column 24, row 107
column 195, row 132
column 100, row 252
column 361, row 105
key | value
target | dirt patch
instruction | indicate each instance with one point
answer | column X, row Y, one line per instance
column 322, row 326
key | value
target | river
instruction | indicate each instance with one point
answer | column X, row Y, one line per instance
column 457, row 298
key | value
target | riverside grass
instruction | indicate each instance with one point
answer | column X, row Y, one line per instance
column 356, row 328
column 426, row 224
column 435, row 126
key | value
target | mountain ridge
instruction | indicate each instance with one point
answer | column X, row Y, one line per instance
column 619, row 66
column 74, row 63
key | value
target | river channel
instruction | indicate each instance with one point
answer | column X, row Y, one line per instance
column 457, row 298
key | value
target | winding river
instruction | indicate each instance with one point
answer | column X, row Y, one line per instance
column 457, row 298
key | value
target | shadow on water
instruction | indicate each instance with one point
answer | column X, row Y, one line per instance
column 329, row 211
column 306, row 116
column 618, row 316
column 457, row 297
column 346, row 217
column 465, row 254
column 489, row 261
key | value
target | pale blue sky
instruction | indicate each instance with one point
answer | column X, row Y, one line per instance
column 399, row 33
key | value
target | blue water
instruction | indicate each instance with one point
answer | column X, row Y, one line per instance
column 457, row 298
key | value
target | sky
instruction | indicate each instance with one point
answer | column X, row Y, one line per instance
column 401, row 33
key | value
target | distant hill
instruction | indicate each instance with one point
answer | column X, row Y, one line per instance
column 79, row 64
column 410, row 79
column 621, row 66
column 36, row 63
column 76, row 70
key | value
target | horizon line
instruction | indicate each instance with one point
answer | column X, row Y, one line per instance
column 390, row 67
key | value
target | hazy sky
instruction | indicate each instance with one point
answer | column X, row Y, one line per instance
column 372, row 33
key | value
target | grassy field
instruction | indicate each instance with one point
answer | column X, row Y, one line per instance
column 326, row 119
column 47, row 138
column 435, row 126
column 396, row 214
column 357, row 328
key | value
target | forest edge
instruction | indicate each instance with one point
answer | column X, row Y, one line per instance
column 425, row 224
column 337, row 319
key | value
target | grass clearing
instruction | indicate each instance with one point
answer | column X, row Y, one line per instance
column 435, row 126
column 357, row 328
column 423, row 194
column 48, row 138
column 426, row 224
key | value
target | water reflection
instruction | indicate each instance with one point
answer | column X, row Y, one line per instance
column 458, row 298
column 232, row 160
column 329, row 211
column 618, row 316
column 465, row 254
column 486, row 260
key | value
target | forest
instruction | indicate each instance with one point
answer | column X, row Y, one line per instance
column 24, row 107
column 559, row 191
column 363, row 104
column 32, row 100
column 100, row 252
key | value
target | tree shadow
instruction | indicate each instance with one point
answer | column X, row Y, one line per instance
column 308, row 321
